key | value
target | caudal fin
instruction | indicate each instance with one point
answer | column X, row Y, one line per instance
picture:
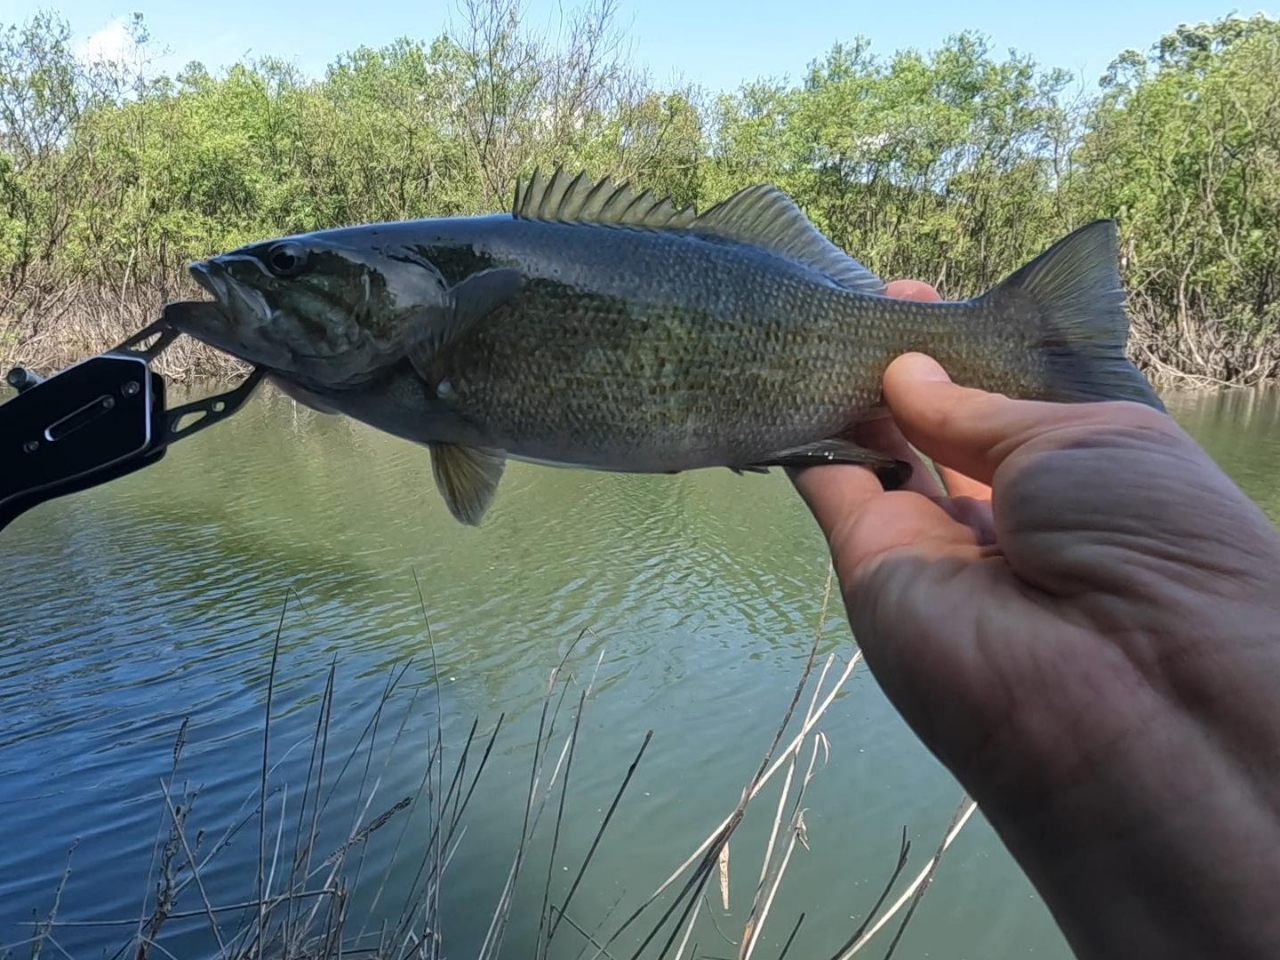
column 1074, row 293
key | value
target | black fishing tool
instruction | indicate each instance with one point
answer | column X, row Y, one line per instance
column 97, row 420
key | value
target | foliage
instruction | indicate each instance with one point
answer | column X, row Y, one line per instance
column 953, row 165
column 1184, row 148
column 941, row 167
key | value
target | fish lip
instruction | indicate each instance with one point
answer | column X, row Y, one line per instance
column 241, row 303
column 204, row 272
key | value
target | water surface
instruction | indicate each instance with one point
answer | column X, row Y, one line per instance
column 131, row 607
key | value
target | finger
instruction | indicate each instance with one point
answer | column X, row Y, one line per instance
column 835, row 493
column 974, row 514
column 883, row 436
column 911, row 290
column 971, row 431
column 958, row 485
column 834, row 489
column 896, row 523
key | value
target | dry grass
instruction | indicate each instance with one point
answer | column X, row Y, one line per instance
column 53, row 326
column 299, row 907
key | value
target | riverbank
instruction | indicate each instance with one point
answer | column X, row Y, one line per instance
column 954, row 165
column 81, row 321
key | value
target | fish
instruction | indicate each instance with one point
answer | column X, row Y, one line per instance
column 595, row 325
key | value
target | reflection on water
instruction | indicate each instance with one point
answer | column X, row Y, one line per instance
column 131, row 607
column 1241, row 430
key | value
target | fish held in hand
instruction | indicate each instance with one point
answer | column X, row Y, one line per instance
column 597, row 326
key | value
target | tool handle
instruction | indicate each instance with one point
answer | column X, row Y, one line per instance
column 91, row 423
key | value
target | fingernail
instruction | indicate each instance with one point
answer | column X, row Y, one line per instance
column 911, row 290
column 917, row 366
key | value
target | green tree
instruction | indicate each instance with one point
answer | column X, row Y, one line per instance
column 1184, row 149
column 952, row 165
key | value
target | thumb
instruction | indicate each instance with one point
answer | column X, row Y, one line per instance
column 973, row 431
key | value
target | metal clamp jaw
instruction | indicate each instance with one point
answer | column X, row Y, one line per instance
column 97, row 420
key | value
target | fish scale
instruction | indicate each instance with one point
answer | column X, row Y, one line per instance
column 597, row 326
column 562, row 359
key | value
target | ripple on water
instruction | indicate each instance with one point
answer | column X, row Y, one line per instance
column 132, row 607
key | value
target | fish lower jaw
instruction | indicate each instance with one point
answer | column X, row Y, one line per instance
column 242, row 306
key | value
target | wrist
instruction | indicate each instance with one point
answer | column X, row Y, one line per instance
column 1167, row 850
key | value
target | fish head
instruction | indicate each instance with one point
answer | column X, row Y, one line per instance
column 330, row 312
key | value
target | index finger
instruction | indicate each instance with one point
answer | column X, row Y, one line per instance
column 911, row 290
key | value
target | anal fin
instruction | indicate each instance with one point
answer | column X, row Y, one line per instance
column 467, row 478
column 892, row 473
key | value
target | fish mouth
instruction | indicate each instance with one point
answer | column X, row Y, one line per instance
column 233, row 323
column 243, row 304
column 241, row 321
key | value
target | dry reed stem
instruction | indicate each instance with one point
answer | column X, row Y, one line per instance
column 688, row 930
column 295, row 921
column 968, row 808
column 796, row 833
column 783, row 758
column 45, row 930
column 771, row 876
column 195, row 873
column 694, row 885
column 724, row 877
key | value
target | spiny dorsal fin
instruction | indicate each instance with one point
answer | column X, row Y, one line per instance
column 582, row 200
column 761, row 215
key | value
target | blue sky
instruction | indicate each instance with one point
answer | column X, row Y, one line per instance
column 717, row 43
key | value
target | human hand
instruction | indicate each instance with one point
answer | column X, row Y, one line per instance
column 1082, row 621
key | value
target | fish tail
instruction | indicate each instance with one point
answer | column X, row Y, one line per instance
column 1074, row 293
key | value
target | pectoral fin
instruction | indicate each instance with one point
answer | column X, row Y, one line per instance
column 482, row 293
column 467, row 478
column 891, row 472
column 469, row 303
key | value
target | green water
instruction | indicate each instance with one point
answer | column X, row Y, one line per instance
column 131, row 607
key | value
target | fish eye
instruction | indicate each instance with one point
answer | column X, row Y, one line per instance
column 286, row 259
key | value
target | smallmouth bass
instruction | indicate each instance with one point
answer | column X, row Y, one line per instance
column 598, row 326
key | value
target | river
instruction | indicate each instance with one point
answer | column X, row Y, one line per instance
column 688, row 604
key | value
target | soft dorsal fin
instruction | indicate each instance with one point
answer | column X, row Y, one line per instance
column 766, row 216
column 761, row 215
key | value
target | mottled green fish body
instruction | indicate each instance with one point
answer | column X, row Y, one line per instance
column 599, row 327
